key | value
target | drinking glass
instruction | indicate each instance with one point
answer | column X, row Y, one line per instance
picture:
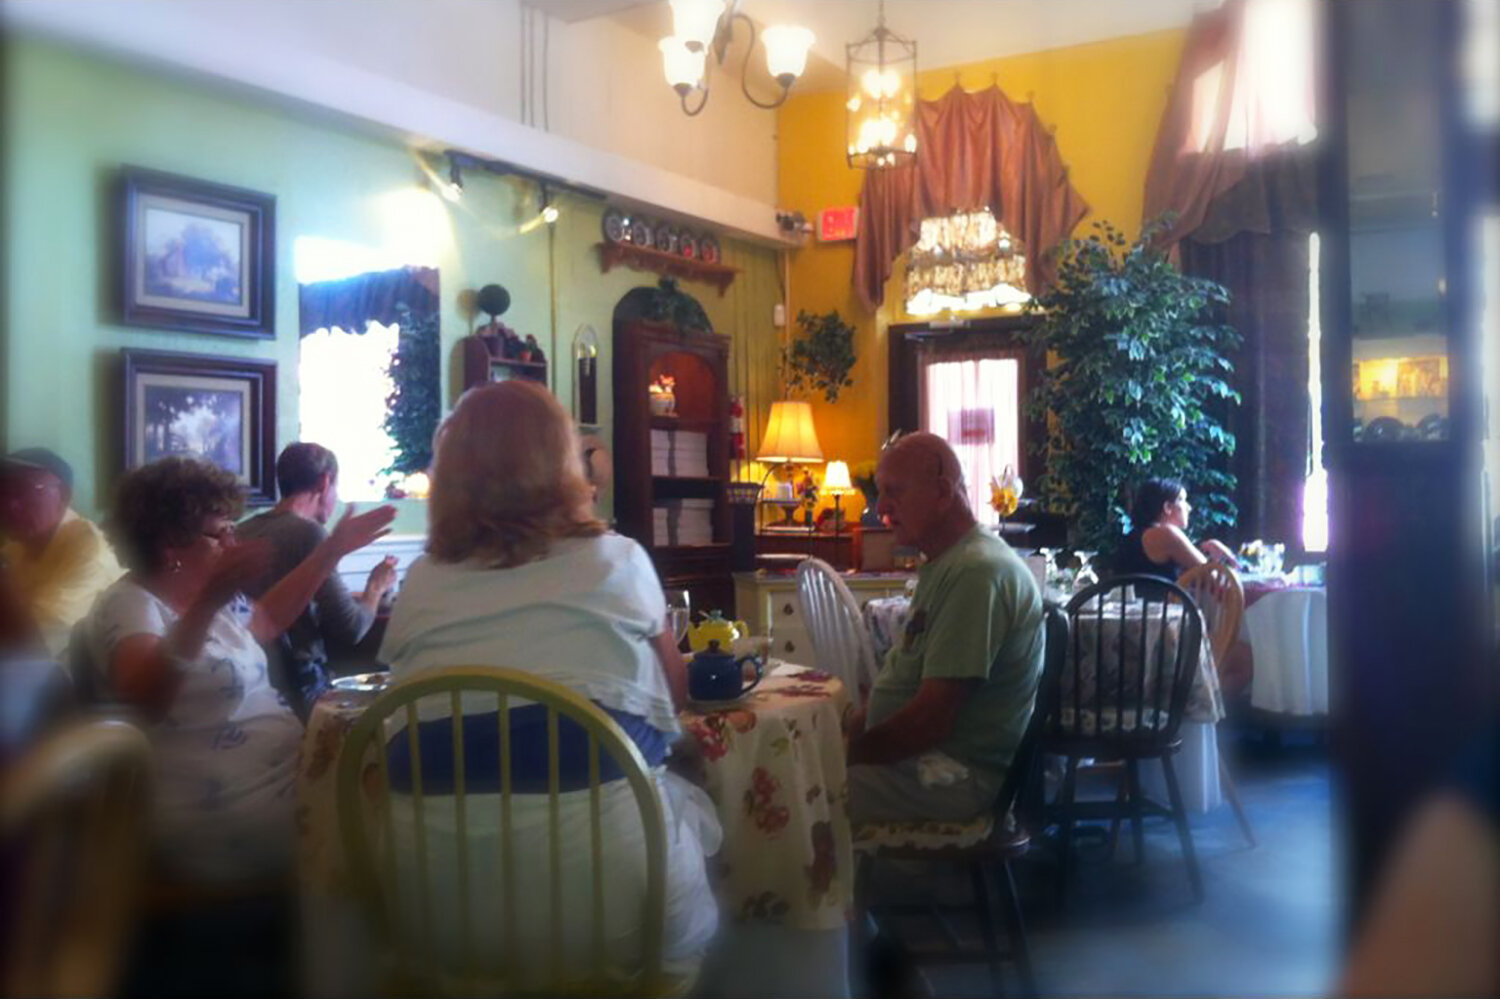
column 679, row 613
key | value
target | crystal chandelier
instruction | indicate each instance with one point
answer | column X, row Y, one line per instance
column 882, row 93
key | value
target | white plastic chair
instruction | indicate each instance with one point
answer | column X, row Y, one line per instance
column 838, row 630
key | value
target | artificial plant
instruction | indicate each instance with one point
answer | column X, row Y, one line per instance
column 1135, row 384
column 821, row 357
column 415, row 404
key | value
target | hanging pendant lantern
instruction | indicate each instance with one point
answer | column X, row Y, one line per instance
column 882, row 87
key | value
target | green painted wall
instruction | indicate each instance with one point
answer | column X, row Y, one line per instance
column 72, row 119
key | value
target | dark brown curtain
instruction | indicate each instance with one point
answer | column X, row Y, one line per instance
column 350, row 303
column 974, row 151
column 1267, row 277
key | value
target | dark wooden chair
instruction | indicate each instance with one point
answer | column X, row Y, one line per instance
column 984, row 847
column 1133, row 650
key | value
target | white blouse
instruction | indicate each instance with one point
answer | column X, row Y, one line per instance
column 583, row 617
column 226, row 752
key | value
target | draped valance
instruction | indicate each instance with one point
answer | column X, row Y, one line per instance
column 975, row 151
column 350, row 303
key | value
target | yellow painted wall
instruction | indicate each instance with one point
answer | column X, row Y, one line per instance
column 1104, row 101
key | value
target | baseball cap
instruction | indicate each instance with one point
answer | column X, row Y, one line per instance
column 38, row 458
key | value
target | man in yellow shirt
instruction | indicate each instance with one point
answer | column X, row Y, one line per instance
column 56, row 561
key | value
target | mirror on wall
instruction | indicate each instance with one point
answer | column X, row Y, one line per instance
column 586, row 376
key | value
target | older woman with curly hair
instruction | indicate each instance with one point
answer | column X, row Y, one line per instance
column 521, row 573
column 174, row 639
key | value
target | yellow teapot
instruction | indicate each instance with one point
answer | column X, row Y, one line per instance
column 715, row 628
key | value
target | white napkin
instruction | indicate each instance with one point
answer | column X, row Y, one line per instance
column 937, row 769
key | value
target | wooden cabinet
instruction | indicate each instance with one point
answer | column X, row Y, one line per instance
column 481, row 368
column 770, row 600
column 838, row 552
column 671, row 471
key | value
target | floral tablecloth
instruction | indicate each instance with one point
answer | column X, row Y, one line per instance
column 884, row 619
column 335, row 945
column 773, row 762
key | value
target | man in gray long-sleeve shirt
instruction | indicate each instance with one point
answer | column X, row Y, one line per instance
column 307, row 475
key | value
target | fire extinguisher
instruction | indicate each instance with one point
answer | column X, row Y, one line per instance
column 736, row 428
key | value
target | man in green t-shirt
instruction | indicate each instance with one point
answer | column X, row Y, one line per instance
column 953, row 698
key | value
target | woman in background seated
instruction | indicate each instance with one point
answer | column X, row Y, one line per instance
column 174, row 639
column 520, row 573
column 1158, row 544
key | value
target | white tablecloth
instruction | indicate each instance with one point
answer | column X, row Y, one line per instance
column 1288, row 631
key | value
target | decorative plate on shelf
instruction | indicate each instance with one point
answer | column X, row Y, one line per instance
column 687, row 246
column 640, row 233
column 666, row 238
column 708, row 249
column 614, row 226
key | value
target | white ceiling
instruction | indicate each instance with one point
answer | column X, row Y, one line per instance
column 947, row 32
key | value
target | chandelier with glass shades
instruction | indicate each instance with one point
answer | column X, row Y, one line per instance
column 701, row 26
column 882, row 92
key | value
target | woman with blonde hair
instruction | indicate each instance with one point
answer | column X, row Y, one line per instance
column 521, row 573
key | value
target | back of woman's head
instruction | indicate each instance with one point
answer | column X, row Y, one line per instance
column 507, row 478
column 165, row 505
column 1150, row 497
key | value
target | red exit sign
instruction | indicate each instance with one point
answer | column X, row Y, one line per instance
column 835, row 224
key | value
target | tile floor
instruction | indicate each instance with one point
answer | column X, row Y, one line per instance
column 1269, row 925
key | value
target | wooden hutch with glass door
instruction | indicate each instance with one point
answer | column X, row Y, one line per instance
column 672, row 462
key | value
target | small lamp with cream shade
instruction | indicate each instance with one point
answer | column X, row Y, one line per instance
column 790, row 438
column 836, row 483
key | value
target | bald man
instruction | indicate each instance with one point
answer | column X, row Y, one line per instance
column 962, row 678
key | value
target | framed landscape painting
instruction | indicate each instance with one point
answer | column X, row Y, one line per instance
column 221, row 410
column 197, row 256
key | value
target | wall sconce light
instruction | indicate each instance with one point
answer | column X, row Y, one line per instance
column 699, row 26
column 546, row 216
column 454, row 189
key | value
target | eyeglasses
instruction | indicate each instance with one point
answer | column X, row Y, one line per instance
column 225, row 533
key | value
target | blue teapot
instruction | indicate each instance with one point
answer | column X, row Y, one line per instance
column 719, row 676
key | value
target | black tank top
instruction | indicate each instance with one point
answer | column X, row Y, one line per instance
column 1132, row 559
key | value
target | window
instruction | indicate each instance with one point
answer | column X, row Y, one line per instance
column 963, row 263
column 1268, row 98
column 344, row 380
column 974, row 403
column 1315, row 487
column 361, row 310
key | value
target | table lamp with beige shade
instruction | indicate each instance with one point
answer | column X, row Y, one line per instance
column 836, row 483
column 790, row 438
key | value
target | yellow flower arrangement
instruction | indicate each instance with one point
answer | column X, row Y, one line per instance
column 1005, row 492
column 1003, row 499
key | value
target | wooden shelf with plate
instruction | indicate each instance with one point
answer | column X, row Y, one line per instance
column 481, row 367
column 644, row 258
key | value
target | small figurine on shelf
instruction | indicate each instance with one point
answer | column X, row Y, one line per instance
column 535, row 348
column 510, row 344
column 663, row 396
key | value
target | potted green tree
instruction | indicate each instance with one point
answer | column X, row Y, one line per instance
column 1134, row 385
column 821, row 358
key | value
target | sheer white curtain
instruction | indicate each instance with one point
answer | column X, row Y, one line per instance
column 974, row 403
